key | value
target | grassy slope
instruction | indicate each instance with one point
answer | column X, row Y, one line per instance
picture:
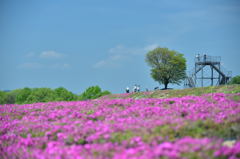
column 178, row 93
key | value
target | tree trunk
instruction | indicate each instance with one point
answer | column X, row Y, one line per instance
column 165, row 85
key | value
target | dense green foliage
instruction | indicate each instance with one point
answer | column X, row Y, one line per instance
column 235, row 80
column 168, row 66
column 40, row 94
column 93, row 93
column 3, row 97
column 10, row 97
column 34, row 95
column 62, row 94
column 23, row 95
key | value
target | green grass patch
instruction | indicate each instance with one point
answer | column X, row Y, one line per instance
column 196, row 129
column 32, row 133
column 180, row 92
column 121, row 136
column 89, row 112
column 235, row 98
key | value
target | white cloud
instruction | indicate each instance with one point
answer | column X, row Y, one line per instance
column 31, row 65
column 31, row 54
column 100, row 64
column 120, row 53
column 36, row 65
column 122, row 50
column 111, row 61
column 150, row 47
column 45, row 55
column 66, row 65
column 42, row 63
column 51, row 55
column 60, row 66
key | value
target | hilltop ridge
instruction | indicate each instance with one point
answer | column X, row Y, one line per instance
column 177, row 93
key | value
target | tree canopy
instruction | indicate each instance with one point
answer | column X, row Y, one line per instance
column 93, row 92
column 235, row 80
column 167, row 66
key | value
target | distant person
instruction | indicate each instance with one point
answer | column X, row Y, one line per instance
column 147, row 90
column 198, row 57
column 135, row 88
column 138, row 88
column 127, row 90
column 205, row 57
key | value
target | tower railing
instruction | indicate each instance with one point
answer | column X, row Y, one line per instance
column 206, row 58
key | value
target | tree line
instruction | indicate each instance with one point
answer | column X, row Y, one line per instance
column 34, row 95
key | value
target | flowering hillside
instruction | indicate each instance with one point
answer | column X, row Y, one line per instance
column 206, row 126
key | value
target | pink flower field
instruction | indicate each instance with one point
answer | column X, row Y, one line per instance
column 206, row 126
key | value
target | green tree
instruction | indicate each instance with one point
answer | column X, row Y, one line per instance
column 3, row 97
column 105, row 93
column 235, row 80
column 41, row 95
column 22, row 95
column 168, row 66
column 62, row 94
column 12, row 95
column 93, row 92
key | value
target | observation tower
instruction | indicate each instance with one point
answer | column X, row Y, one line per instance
column 208, row 70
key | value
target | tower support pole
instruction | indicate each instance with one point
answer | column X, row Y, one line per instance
column 211, row 76
column 202, row 77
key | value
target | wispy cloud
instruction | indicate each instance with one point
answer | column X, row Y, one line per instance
column 36, row 65
column 111, row 61
column 51, row 55
column 42, row 63
column 120, row 53
column 150, row 47
column 31, row 65
column 30, row 54
column 122, row 50
column 60, row 66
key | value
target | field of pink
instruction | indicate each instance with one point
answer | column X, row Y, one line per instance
column 120, row 128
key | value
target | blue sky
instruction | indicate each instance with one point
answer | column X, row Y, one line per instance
column 81, row 43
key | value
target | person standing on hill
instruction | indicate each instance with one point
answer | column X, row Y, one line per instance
column 198, row 57
column 127, row 90
column 135, row 88
column 138, row 88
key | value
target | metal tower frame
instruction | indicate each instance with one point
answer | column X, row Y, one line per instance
column 214, row 62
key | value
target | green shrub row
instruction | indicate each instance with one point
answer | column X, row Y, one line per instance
column 34, row 95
